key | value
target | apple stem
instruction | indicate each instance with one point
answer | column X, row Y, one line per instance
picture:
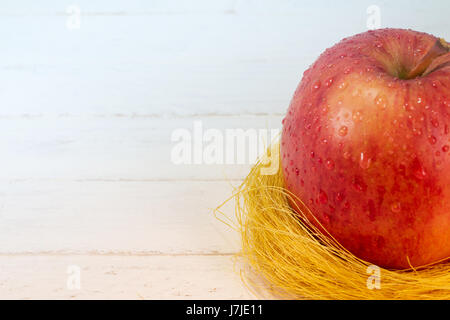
column 440, row 48
column 445, row 44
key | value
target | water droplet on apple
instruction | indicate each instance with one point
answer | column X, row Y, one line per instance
column 326, row 218
column 396, row 207
column 357, row 116
column 323, row 198
column 408, row 107
column 432, row 139
column 435, row 123
column 343, row 85
column 347, row 70
column 297, row 172
column 316, row 85
column 359, row 184
column 378, row 44
column 312, row 154
column 329, row 164
column 419, row 170
column 445, row 148
column 329, row 82
column 343, row 131
column 381, row 102
column 417, row 132
column 364, row 161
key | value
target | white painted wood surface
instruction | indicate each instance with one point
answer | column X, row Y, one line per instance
column 86, row 117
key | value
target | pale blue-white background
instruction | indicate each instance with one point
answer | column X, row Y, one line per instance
column 86, row 116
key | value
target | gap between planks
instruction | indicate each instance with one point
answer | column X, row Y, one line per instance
column 119, row 254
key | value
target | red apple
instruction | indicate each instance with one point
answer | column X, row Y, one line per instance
column 366, row 142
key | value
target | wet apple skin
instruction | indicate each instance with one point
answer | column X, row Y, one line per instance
column 368, row 153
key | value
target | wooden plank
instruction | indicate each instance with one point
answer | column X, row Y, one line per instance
column 116, row 147
column 120, row 277
column 127, row 65
column 177, row 57
column 130, row 218
column 173, row 62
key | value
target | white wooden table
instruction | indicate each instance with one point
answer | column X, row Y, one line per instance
column 88, row 104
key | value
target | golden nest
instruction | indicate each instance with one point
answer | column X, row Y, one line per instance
column 296, row 261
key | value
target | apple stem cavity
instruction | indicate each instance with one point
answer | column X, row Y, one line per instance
column 437, row 57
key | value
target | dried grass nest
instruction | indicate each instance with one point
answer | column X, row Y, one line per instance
column 297, row 261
